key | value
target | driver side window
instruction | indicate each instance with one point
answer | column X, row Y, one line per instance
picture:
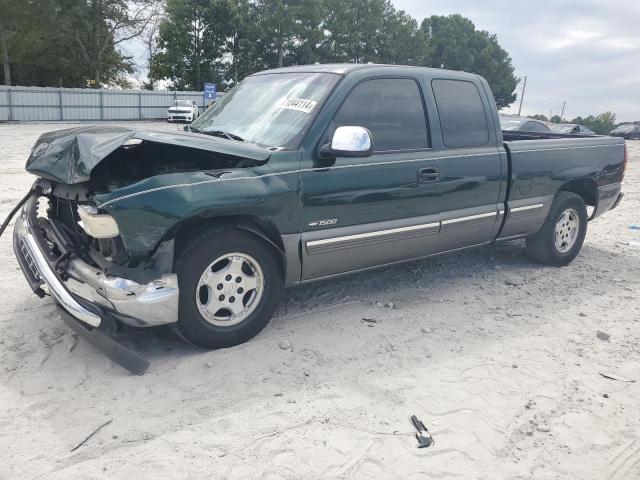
column 391, row 109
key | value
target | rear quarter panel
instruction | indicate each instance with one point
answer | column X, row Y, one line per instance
column 539, row 168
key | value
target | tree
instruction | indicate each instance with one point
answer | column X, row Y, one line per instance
column 555, row 119
column 192, row 39
column 150, row 39
column 544, row 118
column 400, row 41
column 454, row 43
column 352, row 28
column 9, row 19
column 225, row 40
column 32, row 52
column 601, row 124
column 99, row 26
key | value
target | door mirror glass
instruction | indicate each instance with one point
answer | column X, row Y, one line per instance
column 349, row 141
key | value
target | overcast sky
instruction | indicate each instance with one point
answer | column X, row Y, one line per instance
column 585, row 52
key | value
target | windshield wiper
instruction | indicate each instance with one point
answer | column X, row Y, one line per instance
column 220, row 133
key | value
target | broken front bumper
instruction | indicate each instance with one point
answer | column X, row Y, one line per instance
column 86, row 292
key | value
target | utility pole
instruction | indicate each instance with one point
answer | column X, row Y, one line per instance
column 562, row 113
column 524, row 85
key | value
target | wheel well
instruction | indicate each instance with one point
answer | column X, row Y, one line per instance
column 587, row 188
column 257, row 226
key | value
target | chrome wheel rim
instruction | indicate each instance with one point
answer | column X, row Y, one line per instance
column 566, row 231
column 230, row 289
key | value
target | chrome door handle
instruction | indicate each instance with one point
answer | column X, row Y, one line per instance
column 428, row 175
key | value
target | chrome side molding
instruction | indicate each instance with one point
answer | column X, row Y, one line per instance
column 379, row 233
column 526, row 207
column 470, row 217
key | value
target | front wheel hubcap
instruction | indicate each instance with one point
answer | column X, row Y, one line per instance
column 230, row 289
column 566, row 231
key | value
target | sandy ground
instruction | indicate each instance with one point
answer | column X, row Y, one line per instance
column 496, row 354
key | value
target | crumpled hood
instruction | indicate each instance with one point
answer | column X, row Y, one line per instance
column 69, row 155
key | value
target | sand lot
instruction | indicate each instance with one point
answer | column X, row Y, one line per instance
column 496, row 354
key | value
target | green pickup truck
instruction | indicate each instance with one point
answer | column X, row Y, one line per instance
column 297, row 174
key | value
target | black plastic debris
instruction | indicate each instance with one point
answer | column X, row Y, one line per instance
column 423, row 436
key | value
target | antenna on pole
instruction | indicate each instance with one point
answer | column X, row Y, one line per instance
column 524, row 85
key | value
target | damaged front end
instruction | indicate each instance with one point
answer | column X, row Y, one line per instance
column 56, row 252
column 70, row 248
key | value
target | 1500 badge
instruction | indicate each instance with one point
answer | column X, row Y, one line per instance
column 323, row 223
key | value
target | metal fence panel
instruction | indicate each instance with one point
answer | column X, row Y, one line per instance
column 81, row 104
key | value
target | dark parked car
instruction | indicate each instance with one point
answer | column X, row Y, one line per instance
column 296, row 175
column 629, row 131
column 570, row 129
column 523, row 124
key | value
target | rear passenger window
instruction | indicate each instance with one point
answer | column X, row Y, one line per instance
column 391, row 109
column 461, row 113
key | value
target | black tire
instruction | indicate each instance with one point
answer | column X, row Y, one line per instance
column 542, row 245
column 194, row 256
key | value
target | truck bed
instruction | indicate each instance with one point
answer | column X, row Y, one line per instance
column 539, row 167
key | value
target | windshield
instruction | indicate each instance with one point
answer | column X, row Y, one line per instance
column 182, row 103
column 272, row 110
column 625, row 128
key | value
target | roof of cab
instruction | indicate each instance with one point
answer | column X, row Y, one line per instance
column 345, row 68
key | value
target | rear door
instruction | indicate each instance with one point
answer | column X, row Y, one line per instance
column 363, row 212
column 473, row 170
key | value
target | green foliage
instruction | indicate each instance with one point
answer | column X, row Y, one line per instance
column 454, row 43
column 68, row 42
column 245, row 36
column 601, row 124
column 556, row 119
column 544, row 118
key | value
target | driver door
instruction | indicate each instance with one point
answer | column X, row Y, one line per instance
column 363, row 212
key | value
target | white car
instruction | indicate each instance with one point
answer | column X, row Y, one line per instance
column 183, row 111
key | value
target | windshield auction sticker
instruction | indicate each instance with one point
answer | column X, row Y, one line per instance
column 300, row 104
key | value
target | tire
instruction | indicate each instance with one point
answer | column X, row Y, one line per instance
column 243, row 255
column 569, row 214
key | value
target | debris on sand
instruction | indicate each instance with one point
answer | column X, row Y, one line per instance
column 611, row 376
column 88, row 437
column 514, row 280
column 389, row 305
column 422, row 435
column 603, row 335
column 285, row 345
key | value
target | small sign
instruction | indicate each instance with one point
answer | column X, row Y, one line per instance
column 210, row 91
column 300, row 104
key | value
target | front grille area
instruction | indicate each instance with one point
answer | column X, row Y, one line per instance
column 29, row 259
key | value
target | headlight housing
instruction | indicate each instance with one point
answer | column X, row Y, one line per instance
column 97, row 225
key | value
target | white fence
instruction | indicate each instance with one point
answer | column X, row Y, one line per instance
column 27, row 104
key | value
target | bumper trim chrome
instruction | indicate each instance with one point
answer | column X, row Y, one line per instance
column 136, row 304
column 56, row 288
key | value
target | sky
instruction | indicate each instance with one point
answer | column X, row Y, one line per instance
column 585, row 53
column 582, row 52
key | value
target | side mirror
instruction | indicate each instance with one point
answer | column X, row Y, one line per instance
column 348, row 141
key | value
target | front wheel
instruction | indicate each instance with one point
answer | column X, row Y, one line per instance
column 562, row 234
column 230, row 286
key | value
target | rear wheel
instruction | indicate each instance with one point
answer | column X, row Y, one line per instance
column 230, row 285
column 562, row 235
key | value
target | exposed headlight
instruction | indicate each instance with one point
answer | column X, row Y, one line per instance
column 97, row 225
